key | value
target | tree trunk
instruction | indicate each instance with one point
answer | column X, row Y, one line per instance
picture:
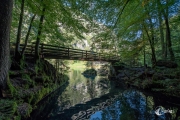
column 39, row 34
column 168, row 37
column 151, row 38
column 163, row 46
column 17, row 52
column 5, row 26
column 144, row 51
column 27, row 35
column 153, row 59
column 151, row 41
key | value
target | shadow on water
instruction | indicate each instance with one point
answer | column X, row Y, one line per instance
column 99, row 99
column 45, row 106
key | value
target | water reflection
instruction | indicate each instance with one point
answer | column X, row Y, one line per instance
column 98, row 99
column 83, row 89
column 128, row 105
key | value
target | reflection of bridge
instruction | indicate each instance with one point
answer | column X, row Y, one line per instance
column 58, row 52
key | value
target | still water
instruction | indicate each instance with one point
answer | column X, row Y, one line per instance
column 98, row 99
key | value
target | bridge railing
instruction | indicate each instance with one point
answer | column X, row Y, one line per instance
column 64, row 52
column 60, row 52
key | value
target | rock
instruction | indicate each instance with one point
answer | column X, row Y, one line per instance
column 102, row 72
column 90, row 73
column 24, row 109
column 166, row 63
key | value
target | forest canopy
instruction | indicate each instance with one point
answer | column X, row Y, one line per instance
column 140, row 31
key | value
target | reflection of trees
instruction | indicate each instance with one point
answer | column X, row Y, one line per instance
column 137, row 102
column 131, row 105
column 103, row 85
column 119, row 110
column 91, row 88
column 64, row 101
column 127, row 113
column 75, row 75
column 48, row 105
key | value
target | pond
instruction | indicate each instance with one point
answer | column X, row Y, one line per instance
column 98, row 99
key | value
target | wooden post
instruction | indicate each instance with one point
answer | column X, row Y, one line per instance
column 82, row 54
column 86, row 54
column 41, row 52
column 68, row 52
column 32, row 49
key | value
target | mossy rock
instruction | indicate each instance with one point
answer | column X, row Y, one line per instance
column 24, row 110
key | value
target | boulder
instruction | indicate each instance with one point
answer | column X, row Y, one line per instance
column 90, row 73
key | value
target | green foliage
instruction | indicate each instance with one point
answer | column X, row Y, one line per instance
column 22, row 63
column 36, row 69
column 29, row 98
column 17, row 117
column 11, row 72
column 167, row 86
column 12, row 89
column 119, row 64
column 39, row 95
column 29, row 82
column 29, row 110
column 39, row 66
column 46, row 78
column 7, row 109
column 146, row 84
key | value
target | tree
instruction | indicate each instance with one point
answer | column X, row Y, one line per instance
column 27, row 35
column 39, row 32
column 17, row 52
column 5, row 25
column 168, row 32
column 163, row 46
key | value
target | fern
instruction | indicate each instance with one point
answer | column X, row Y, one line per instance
column 7, row 108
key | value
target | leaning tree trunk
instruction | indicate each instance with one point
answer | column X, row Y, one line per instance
column 39, row 34
column 153, row 59
column 27, row 35
column 152, row 43
column 5, row 25
column 17, row 52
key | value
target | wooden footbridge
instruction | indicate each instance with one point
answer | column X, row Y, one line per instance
column 59, row 52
